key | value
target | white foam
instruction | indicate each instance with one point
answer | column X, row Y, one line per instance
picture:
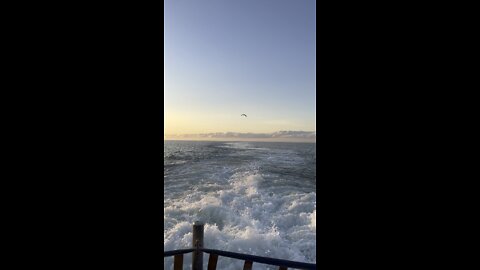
column 242, row 218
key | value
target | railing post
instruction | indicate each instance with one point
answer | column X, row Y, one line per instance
column 197, row 242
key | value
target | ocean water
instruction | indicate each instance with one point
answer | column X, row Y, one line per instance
column 257, row 198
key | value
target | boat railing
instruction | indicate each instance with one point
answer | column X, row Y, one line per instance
column 197, row 255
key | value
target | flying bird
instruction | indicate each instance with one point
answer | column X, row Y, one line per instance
column 243, row 115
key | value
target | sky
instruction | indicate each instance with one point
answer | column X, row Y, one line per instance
column 223, row 58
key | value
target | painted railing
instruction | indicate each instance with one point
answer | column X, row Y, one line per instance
column 198, row 250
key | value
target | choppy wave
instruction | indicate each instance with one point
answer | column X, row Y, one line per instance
column 255, row 198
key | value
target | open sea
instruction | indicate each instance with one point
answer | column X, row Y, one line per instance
column 257, row 198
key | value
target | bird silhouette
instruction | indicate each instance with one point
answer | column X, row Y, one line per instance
column 243, row 115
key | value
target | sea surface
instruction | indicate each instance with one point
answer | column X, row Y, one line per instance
column 257, row 198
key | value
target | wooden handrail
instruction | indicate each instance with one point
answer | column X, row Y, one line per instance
column 177, row 251
column 259, row 259
column 241, row 256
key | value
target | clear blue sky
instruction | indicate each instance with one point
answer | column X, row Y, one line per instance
column 228, row 57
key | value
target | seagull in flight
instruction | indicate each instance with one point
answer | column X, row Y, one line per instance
column 243, row 115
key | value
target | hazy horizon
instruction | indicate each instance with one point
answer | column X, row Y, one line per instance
column 242, row 140
column 279, row 136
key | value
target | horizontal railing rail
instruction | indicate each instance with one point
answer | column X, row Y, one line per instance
column 177, row 251
column 259, row 259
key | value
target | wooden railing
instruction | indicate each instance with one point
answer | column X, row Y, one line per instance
column 197, row 255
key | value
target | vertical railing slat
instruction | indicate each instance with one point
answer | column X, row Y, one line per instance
column 247, row 265
column 212, row 261
column 178, row 262
column 197, row 243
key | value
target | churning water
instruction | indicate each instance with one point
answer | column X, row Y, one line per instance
column 255, row 198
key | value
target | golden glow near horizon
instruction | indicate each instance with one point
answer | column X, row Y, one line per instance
column 196, row 123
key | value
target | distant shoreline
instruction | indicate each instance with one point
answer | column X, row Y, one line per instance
column 278, row 136
column 281, row 140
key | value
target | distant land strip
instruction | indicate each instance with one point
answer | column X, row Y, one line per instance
column 308, row 136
